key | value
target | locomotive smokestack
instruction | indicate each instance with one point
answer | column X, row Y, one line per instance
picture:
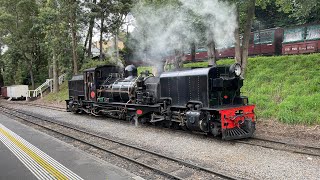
column 130, row 70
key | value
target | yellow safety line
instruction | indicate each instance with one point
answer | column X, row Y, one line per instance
column 53, row 171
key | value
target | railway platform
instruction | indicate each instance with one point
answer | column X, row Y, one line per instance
column 27, row 153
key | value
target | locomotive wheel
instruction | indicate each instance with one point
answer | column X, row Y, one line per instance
column 184, row 128
column 132, row 119
column 74, row 109
column 79, row 111
column 176, row 126
column 135, row 120
column 166, row 124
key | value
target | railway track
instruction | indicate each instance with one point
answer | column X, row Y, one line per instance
column 282, row 146
column 37, row 105
column 47, row 107
column 255, row 141
column 170, row 167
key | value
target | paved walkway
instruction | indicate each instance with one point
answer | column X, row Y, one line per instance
column 29, row 154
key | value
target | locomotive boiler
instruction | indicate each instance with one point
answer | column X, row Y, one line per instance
column 201, row 99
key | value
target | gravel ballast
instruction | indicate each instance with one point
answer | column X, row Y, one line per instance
column 240, row 160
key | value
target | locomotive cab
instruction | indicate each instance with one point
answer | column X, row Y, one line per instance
column 94, row 78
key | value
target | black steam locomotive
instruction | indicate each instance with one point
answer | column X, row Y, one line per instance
column 202, row 99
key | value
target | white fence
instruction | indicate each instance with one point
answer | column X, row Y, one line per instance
column 48, row 84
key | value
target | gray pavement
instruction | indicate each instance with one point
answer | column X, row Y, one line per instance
column 11, row 167
column 82, row 164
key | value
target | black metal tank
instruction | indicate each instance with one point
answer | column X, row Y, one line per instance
column 185, row 86
column 214, row 86
column 121, row 89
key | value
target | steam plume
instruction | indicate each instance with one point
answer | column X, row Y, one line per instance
column 160, row 29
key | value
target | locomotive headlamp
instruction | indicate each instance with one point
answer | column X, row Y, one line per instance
column 235, row 69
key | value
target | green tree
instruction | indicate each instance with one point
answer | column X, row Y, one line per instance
column 270, row 16
column 118, row 12
column 55, row 26
column 17, row 21
column 73, row 7
column 245, row 16
column 304, row 11
column 103, row 10
column 91, row 16
column 1, row 66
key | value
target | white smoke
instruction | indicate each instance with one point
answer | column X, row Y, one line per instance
column 160, row 29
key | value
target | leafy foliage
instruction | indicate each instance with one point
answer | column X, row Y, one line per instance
column 94, row 63
column 302, row 10
column 20, row 34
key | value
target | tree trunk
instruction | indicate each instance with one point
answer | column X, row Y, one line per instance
column 1, row 78
column 90, row 32
column 55, row 73
column 178, row 59
column 116, row 46
column 85, row 45
column 30, row 65
column 114, row 54
column 193, row 52
column 31, row 76
column 74, row 37
column 237, row 44
column 50, row 71
column 246, row 35
column 74, row 52
column 89, row 55
column 101, row 40
column 211, row 52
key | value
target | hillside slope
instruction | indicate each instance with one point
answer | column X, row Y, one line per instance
column 286, row 88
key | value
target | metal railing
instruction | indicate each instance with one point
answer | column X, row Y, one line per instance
column 62, row 78
column 48, row 84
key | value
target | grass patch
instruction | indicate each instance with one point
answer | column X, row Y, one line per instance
column 205, row 63
column 285, row 87
column 144, row 68
column 59, row 97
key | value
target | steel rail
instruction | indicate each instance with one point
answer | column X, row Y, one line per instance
column 39, row 105
column 286, row 143
column 292, row 150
